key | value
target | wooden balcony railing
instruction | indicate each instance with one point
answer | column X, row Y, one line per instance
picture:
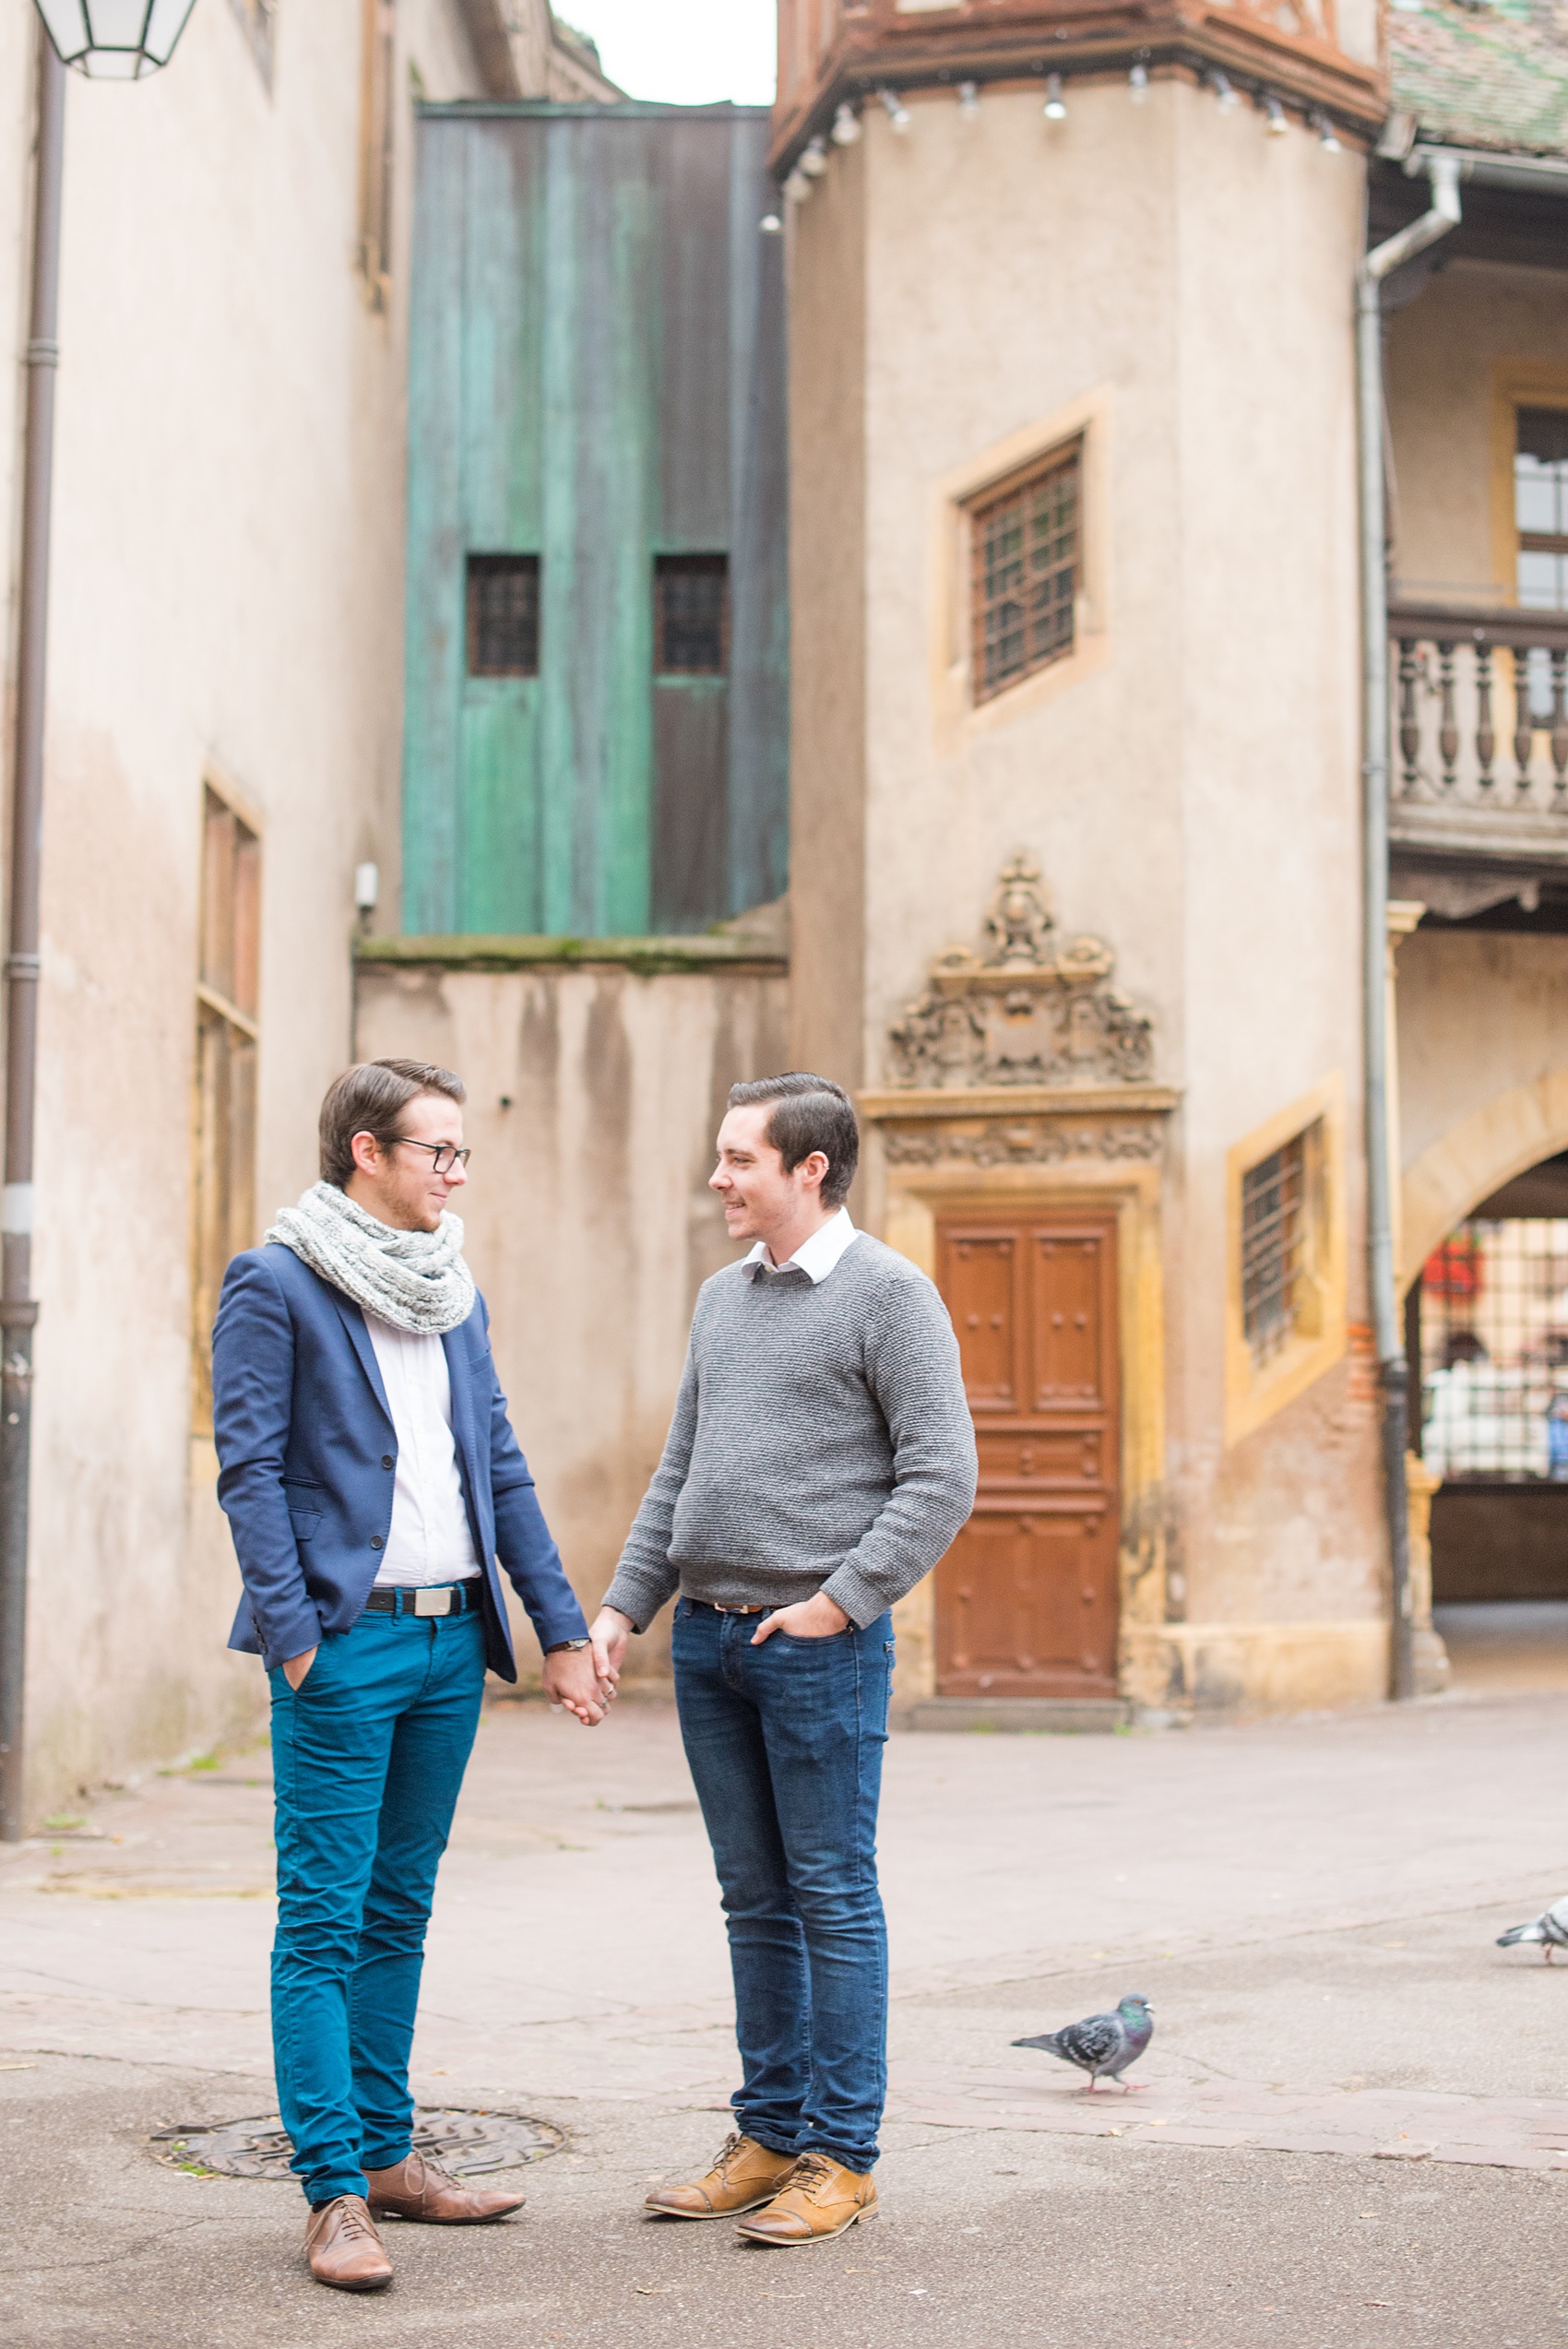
column 1480, row 709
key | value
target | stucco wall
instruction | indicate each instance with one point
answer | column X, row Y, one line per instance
column 1476, row 332
column 1483, row 1071
column 590, row 1224
column 1190, row 788
column 226, row 597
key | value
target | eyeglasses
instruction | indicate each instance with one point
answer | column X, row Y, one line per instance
column 445, row 1155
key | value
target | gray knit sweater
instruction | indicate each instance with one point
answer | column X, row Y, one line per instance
column 821, row 1441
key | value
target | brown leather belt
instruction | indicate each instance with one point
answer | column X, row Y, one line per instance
column 731, row 1610
column 427, row 1598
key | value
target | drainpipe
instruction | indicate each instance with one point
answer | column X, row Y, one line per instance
column 17, row 1310
column 1393, row 1369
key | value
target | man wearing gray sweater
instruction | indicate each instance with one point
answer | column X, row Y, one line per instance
column 819, row 1463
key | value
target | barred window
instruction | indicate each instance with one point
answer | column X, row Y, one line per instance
column 502, row 615
column 1025, row 538
column 1275, row 1208
column 691, row 615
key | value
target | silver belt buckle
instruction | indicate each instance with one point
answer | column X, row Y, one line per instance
column 428, row 1602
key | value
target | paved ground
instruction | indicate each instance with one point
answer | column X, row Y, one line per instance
column 1351, row 2132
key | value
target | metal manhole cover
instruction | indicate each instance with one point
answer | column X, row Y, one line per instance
column 467, row 2142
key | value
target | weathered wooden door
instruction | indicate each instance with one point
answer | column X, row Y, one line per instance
column 1027, row 1596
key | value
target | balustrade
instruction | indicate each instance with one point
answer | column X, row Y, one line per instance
column 1480, row 709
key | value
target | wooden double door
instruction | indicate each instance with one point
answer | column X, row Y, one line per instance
column 1027, row 1596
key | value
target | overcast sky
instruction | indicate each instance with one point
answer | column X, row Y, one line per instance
column 686, row 52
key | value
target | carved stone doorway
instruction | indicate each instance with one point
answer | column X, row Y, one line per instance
column 1027, row 1599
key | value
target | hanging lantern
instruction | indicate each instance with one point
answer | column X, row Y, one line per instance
column 115, row 39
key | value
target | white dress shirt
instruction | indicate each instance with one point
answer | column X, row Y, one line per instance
column 816, row 1256
column 430, row 1540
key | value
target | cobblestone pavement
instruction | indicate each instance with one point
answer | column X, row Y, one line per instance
column 1354, row 2127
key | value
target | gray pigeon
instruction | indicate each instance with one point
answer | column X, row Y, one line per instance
column 1106, row 2044
column 1551, row 1926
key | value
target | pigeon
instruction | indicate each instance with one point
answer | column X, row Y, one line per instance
column 1105, row 2045
column 1551, row 1926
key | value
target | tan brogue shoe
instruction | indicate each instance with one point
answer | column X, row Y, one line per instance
column 820, row 2200
column 745, row 2175
column 417, row 2187
column 344, row 2248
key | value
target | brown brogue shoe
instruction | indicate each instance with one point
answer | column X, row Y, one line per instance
column 821, row 2198
column 745, row 2175
column 344, row 2248
column 418, row 2188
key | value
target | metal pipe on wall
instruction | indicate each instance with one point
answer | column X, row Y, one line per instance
column 17, row 1310
column 1393, row 1369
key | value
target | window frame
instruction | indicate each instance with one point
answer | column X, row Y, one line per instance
column 1260, row 1381
column 494, row 562
column 225, row 1068
column 1067, row 458
column 714, row 563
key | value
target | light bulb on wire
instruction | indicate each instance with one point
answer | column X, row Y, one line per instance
column 1275, row 122
column 1055, row 104
column 813, row 161
column 969, row 100
column 1137, row 84
column 846, row 126
column 898, row 112
column 1325, row 134
column 1220, row 85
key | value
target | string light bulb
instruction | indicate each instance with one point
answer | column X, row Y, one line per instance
column 898, row 112
column 1325, row 135
column 969, row 100
column 813, row 161
column 846, row 126
column 771, row 225
column 1220, row 85
column 1055, row 104
column 1275, row 124
column 797, row 187
column 1137, row 84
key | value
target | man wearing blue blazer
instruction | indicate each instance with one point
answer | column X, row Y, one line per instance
column 372, row 1480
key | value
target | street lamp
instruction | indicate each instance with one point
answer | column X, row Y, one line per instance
column 115, row 39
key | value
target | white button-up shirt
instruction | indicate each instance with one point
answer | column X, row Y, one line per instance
column 431, row 1540
column 816, row 1256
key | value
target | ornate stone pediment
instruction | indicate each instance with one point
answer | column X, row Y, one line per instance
column 1023, row 1009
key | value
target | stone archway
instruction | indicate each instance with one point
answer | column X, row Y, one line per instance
column 1513, row 1130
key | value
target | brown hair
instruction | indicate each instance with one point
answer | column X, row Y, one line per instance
column 810, row 1113
column 371, row 1098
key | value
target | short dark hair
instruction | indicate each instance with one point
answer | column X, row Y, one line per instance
column 810, row 1113
column 370, row 1098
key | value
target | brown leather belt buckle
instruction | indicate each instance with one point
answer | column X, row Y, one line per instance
column 736, row 1610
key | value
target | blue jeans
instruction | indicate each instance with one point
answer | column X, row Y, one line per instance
column 367, row 1758
column 785, row 1745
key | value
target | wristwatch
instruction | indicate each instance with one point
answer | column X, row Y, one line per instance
column 556, row 1646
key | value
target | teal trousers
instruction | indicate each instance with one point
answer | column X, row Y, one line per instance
column 368, row 1755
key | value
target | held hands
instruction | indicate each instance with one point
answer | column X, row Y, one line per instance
column 808, row 1619
column 571, row 1681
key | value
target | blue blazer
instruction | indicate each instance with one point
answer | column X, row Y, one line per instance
column 306, row 1453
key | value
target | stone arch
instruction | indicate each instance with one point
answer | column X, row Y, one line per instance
column 1500, row 1140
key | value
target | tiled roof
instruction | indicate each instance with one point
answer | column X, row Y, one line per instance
column 1483, row 72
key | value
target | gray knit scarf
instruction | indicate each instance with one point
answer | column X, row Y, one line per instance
column 416, row 1280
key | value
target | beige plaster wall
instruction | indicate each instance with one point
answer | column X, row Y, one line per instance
column 1483, row 1071
column 1473, row 330
column 1193, row 792
column 590, row 1224
column 226, row 597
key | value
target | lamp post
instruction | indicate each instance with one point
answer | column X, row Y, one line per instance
column 109, row 41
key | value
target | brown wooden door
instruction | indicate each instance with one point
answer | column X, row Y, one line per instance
column 1027, row 1596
